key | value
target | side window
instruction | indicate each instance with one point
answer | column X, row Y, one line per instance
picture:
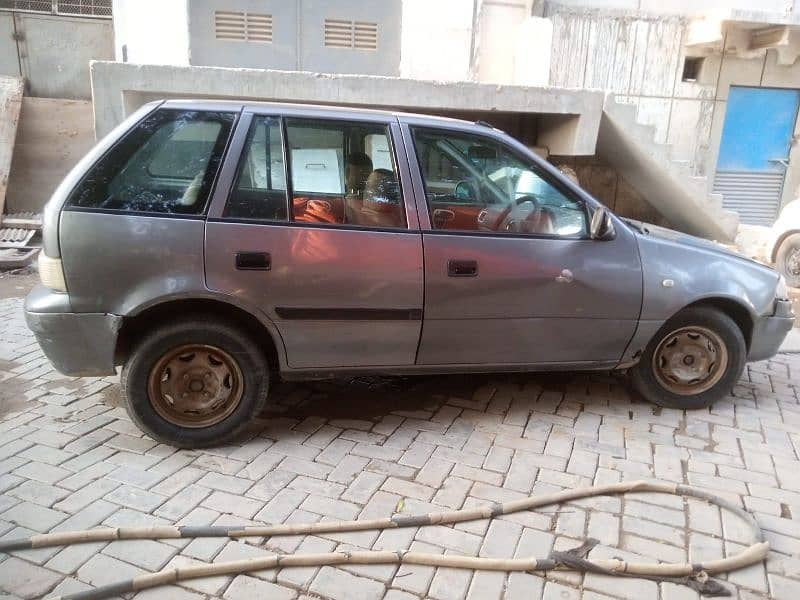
column 259, row 190
column 343, row 173
column 166, row 164
column 473, row 183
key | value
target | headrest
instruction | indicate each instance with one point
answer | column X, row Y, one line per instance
column 358, row 167
column 381, row 192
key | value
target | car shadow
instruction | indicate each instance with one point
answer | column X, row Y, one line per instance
column 372, row 398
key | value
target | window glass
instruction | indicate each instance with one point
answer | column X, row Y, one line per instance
column 343, row 174
column 259, row 190
column 166, row 164
column 476, row 184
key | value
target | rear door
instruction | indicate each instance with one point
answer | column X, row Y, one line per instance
column 311, row 226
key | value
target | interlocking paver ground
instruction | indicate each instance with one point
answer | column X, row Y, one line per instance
column 70, row 459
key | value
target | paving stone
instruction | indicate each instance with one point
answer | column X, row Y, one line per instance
column 39, row 493
column 347, row 469
column 363, row 487
column 168, row 591
column 232, row 504
column 182, row 502
column 453, row 539
column 42, row 472
column 225, row 483
column 70, row 558
column 104, row 570
column 135, row 498
column 486, row 585
column 33, row 516
column 335, row 583
column 148, row 554
column 302, row 576
column 25, row 580
column 247, row 588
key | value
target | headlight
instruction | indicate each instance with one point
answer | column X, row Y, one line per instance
column 51, row 272
column 781, row 290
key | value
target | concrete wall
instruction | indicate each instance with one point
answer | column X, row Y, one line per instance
column 52, row 53
column 282, row 53
column 9, row 58
column 52, row 136
column 316, row 57
column 120, row 88
column 684, row 7
column 151, row 31
column 437, row 42
column 185, row 34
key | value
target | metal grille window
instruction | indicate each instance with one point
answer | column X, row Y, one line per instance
column 243, row 26
column 351, row 34
column 83, row 8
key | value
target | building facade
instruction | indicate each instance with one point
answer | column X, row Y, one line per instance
column 697, row 128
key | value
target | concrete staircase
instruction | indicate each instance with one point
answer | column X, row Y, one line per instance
column 668, row 185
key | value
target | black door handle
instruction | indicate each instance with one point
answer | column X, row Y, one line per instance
column 462, row 268
column 253, row 261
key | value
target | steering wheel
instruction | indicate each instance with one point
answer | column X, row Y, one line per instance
column 465, row 190
column 506, row 219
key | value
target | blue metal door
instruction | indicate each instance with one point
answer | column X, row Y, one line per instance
column 754, row 151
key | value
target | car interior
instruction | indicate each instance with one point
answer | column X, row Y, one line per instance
column 343, row 174
column 472, row 185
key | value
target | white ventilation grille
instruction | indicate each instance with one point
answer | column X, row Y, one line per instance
column 243, row 27
column 351, row 34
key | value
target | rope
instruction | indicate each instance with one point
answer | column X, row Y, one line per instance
column 695, row 575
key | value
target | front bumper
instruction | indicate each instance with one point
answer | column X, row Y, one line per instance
column 769, row 332
column 78, row 344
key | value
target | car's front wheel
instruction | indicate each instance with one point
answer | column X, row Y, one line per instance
column 195, row 382
column 693, row 360
column 787, row 259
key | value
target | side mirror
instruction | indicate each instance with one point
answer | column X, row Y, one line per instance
column 602, row 227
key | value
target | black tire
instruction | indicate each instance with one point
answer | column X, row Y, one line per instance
column 785, row 260
column 646, row 381
column 149, row 350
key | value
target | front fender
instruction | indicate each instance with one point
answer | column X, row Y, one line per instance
column 676, row 275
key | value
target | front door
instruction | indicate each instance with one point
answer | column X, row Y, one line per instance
column 314, row 233
column 754, row 151
column 511, row 276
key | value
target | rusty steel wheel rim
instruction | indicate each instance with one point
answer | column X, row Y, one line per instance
column 690, row 360
column 793, row 262
column 195, row 385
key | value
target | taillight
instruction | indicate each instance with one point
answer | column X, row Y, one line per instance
column 51, row 273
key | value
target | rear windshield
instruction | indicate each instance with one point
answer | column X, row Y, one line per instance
column 166, row 164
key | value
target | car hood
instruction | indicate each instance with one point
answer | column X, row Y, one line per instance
column 646, row 230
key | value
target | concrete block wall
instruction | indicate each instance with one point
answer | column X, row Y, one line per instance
column 606, row 184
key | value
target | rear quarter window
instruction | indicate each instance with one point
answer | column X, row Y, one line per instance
column 165, row 164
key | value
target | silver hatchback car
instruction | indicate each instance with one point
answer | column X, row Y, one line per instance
column 208, row 247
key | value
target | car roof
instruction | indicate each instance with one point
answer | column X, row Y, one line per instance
column 320, row 110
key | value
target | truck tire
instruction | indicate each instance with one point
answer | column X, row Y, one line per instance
column 787, row 260
column 694, row 360
column 195, row 382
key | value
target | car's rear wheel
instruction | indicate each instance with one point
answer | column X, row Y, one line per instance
column 787, row 259
column 195, row 382
column 693, row 360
